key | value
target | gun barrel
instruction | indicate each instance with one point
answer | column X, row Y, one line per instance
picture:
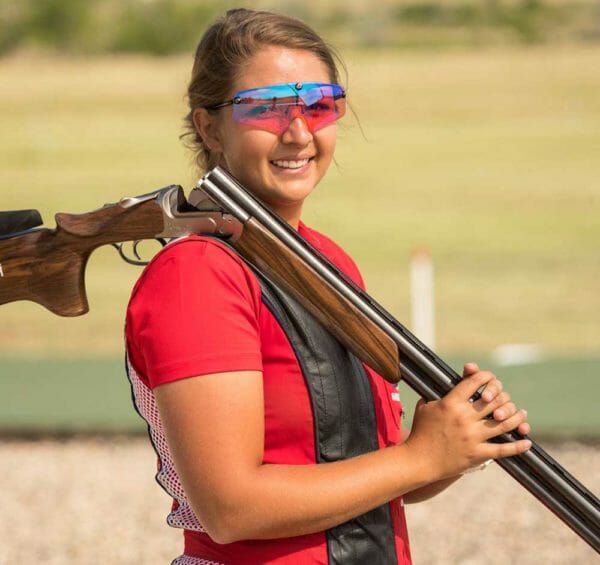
column 420, row 367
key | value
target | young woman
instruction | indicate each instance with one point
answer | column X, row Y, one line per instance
column 275, row 443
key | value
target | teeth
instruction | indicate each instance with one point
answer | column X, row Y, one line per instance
column 290, row 164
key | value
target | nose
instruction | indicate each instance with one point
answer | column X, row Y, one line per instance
column 297, row 132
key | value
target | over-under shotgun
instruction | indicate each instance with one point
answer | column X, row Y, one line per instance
column 47, row 266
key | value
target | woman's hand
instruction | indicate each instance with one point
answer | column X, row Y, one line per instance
column 451, row 435
column 495, row 399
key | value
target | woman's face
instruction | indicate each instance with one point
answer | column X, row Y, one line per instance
column 282, row 170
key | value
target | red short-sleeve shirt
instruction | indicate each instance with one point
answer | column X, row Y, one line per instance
column 196, row 310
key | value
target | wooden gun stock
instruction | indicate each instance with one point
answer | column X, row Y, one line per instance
column 47, row 266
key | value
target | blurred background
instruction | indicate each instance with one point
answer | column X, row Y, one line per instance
column 475, row 134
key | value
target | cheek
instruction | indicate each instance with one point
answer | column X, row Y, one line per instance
column 249, row 146
column 246, row 155
column 326, row 142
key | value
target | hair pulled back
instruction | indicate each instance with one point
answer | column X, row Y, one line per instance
column 224, row 49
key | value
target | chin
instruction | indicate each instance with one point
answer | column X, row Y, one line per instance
column 296, row 191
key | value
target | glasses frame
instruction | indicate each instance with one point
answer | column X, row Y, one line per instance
column 297, row 86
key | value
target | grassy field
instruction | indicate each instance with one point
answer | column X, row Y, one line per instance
column 50, row 396
column 490, row 159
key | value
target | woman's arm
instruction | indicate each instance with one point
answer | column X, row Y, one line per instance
column 215, row 427
column 430, row 490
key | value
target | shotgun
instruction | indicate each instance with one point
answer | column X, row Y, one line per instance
column 47, row 266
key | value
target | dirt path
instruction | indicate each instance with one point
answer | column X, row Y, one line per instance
column 90, row 501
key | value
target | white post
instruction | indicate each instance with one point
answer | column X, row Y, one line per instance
column 421, row 296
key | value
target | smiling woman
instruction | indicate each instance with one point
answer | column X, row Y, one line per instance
column 280, row 160
column 276, row 444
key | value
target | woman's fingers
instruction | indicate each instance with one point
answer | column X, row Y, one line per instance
column 492, row 390
column 505, row 411
column 491, row 387
column 524, row 428
column 495, row 428
column 470, row 385
column 501, row 407
column 470, row 369
column 500, row 450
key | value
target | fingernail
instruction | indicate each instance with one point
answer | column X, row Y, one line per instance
column 499, row 414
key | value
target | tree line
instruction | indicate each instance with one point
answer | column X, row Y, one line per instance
column 162, row 27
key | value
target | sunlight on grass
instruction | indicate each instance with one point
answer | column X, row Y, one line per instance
column 491, row 159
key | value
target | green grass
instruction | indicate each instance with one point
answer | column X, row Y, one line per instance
column 491, row 159
column 559, row 394
column 41, row 395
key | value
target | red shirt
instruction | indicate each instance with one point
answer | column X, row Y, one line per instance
column 197, row 309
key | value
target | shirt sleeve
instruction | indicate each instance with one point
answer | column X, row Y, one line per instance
column 194, row 312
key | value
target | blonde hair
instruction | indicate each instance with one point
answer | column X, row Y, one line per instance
column 224, row 49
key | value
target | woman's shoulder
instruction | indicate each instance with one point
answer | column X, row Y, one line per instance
column 192, row 260
column 194, row 310
column 197, row 246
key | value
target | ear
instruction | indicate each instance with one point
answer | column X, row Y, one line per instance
column 206, row 126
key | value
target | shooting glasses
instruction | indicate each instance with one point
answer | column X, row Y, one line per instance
column 273, row 108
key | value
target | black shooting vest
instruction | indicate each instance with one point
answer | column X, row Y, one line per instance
column 344, row 421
